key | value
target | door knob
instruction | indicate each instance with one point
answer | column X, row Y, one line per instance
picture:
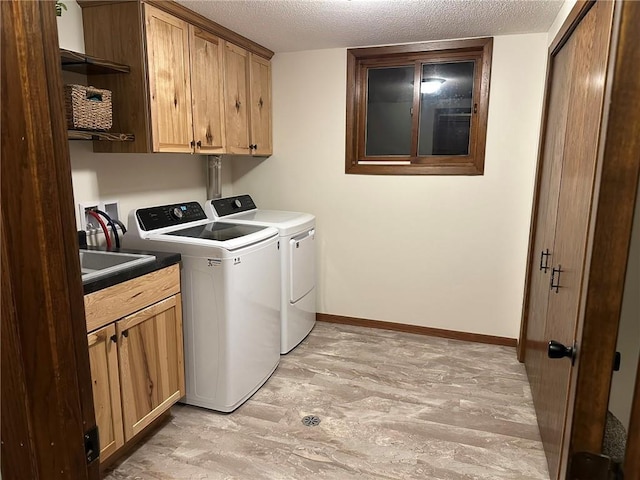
column 558, row 350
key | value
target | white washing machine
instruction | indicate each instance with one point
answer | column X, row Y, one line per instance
column 297, row 260
column 230, row 298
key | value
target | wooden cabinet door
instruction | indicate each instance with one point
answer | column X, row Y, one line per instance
column 260, row 92
column 151, row 363
column 103, row 360
column 169, row 83
column 236, row 66
column 207, row 91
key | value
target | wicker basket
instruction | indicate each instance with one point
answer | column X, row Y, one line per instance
column 88, row 107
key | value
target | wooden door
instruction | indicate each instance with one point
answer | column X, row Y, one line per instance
column 236, row 66
column 546, row 209
column 46, row 386
column 568, row 259
column 207, row 91
column 103, row 360
column 169, row 82
column 151, row 363
column 600, row 162
column 260, row 92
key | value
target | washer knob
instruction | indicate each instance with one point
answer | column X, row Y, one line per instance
column 177, row 213
column 237, row 203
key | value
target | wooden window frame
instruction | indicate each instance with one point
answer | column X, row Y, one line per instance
column 360, row 59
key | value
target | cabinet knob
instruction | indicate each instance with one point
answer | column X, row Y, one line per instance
column 238, row 104
column 199, row 144
column 125, row 333
column 114, row 338
column 192, row 143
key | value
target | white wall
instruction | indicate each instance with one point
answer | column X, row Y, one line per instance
column 134, row 180
column 438, row 251
column 560, row 18
column 623, row 382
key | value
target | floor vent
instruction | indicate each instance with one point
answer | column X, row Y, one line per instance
column 311, row 421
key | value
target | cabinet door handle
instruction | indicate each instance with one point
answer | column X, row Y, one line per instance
column 193, row 144
column 238, row 105
column 260, row 102
column 555, row 280
column 544, row 260
column 199, row 144
column 125, row 333
column 114, row 338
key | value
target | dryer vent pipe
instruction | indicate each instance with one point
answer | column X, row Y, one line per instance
column 214, row 177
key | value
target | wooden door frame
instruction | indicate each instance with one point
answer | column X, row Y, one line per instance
column 615, row 192
column 47, row 403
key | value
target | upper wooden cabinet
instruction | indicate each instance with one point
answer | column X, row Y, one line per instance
column 236, row 68
column 185, row 85
column 206, row 91
column 191, row 90
column 247, row 88
column 260, row 93
column 169, row 82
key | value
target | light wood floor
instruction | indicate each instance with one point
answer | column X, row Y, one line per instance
column 392, row 406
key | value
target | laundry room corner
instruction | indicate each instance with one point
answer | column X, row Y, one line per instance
column 388, row 249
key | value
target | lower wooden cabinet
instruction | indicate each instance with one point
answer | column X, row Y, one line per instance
column 151, row 363
column 136, row 354
column 105, row 379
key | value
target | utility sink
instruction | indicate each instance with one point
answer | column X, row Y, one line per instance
column 97, row 264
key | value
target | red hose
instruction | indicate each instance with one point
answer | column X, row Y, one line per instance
column 104, row 227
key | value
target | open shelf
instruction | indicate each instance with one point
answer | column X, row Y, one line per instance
column 93, row 135
column 88, row 65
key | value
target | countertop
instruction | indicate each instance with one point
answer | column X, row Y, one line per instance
column 163, row 259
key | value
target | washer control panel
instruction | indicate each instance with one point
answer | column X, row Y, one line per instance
column 154, row 218
column 230, row 205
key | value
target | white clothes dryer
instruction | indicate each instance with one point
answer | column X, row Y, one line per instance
column 297, row 233
column 230, row 298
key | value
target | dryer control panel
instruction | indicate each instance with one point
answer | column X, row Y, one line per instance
column 230, row 205
column 163, row 216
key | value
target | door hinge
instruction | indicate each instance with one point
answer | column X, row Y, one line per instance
column 591, row 466
column 92, row 444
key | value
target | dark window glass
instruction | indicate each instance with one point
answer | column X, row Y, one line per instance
column 389, row 102
column 418, row 109
column 446, row 102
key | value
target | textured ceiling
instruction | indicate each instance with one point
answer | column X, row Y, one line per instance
column 294, row 25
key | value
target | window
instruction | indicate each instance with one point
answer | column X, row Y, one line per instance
column 418, row 109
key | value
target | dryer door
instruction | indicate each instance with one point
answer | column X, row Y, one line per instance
column 302, row 265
